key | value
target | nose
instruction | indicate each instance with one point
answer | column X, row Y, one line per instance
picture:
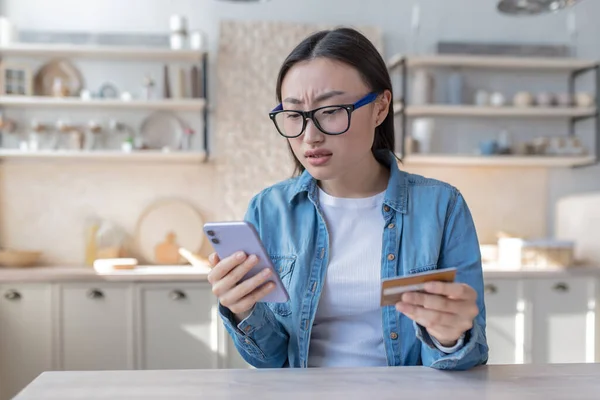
column 312, row 134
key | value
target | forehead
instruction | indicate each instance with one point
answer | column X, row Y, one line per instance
column 319, row 75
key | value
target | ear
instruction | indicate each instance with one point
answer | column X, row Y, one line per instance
column 382, row 107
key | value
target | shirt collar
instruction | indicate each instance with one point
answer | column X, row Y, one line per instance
column 396, row 194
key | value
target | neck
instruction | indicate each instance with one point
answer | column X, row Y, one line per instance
column 367, row 178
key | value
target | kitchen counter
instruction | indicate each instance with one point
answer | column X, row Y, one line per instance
column 86, row 274
column 188, row 273
column 518, row 382
column 495, row 273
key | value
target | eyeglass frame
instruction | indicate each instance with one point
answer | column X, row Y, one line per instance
column 350, row 108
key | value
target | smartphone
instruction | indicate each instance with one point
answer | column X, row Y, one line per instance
column 228, row 238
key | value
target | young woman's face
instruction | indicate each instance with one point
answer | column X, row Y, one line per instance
column 323, row 82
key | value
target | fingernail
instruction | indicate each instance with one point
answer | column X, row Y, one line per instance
column 239, row 255
column 252, row 258
column 266, row 272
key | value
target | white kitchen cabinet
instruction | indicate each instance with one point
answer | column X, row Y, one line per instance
column 26, row 335
column 563, row 320
column 506, row 320
column 179, row 327
column 96, row 326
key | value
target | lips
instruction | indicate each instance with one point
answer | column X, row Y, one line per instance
column 317, row 153
column 318, row 157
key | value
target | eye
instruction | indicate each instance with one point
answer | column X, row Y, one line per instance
column 292, row 116
column 331, row 111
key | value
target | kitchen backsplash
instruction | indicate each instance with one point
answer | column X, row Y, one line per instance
column 44, row 206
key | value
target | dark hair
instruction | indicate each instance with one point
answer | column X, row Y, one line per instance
column 354, row 49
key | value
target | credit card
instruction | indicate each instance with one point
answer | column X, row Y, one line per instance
column 393, row 288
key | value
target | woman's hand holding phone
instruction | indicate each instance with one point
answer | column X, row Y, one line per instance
column 238, row 297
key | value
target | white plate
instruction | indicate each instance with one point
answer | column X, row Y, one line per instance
column 162, row 130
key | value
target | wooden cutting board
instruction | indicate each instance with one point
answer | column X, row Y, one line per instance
column 164, row 227
column 577, row 218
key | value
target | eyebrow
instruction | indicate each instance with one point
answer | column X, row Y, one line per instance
column 322, row 97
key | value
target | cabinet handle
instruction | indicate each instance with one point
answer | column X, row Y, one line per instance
column 490, row 288
column 95, row 294
column 12, row 295
column 177, row 295
column 561, row 287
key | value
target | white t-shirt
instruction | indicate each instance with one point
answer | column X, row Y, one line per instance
column 348, row 330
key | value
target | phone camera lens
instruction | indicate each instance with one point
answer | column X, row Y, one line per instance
column 210, row 233
column 215, row 240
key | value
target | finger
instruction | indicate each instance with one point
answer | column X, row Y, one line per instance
column 213, row 259
column 458, row 291
column 445, row 326
column 428, row 318
column 251, row 299
column 244, row 288
column 225, row 266
column 446, row 335
column 435, row 302
column 234, row 276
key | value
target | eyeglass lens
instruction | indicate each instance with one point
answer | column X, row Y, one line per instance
column 331, row 120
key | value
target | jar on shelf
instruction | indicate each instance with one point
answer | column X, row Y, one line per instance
column 94, row 136
column 40, row 137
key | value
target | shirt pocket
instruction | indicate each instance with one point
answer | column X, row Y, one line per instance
column 424, row 268
column 284, row 265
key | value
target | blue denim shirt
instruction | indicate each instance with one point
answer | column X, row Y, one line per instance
column 427, row 226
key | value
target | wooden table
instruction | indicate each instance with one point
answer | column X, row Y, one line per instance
column 512, row 382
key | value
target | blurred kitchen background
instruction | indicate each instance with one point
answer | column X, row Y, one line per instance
column 125, row 126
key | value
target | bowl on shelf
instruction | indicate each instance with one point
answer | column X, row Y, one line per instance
column 19, row 258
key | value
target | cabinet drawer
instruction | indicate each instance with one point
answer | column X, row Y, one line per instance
column 96, row 326
column 179, row 327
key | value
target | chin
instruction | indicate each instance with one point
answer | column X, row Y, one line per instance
column 321, row 173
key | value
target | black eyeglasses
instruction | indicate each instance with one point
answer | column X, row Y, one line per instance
column 331, row 120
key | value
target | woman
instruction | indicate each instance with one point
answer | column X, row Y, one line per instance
column 350, row 219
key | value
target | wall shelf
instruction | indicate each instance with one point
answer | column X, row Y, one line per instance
column 175, row 157
column 496, row 161
column 441, row 110
column 75, row 102
column 492, row 62
column 118, row 53
column 100, row 52
column 574, row 68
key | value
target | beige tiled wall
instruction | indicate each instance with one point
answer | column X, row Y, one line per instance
column 513, row 200
column 44, row 205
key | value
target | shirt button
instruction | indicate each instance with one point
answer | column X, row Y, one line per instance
column 391, row 257
column 247, row 341
column 393, row 336
column 386, row 208
column 391, row 226
column 247, row 329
